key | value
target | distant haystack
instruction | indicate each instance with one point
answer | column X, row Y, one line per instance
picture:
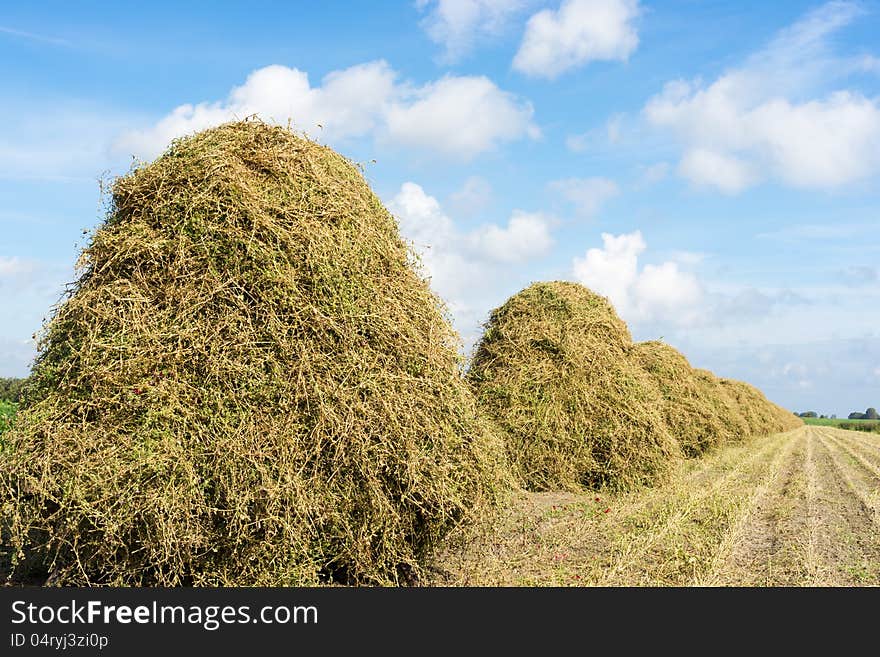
column 553, row 371
column 248, row 385
column 724, row 405
column 761, row 415
column 688, row 409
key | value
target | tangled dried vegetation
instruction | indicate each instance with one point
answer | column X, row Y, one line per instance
column 580, row 405
column 251, row 384
column 553, row 371
column 248, row 384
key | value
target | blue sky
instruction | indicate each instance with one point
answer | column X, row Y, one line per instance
column 712, row 167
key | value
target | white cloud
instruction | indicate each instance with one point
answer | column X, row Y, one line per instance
column 473, row 196
column 869, row 64
column 13, row 266
column 665, row 291
column 707, row 168
column 757, row 122
column 473, row 271
column 457, row 116
column 579, row 32
column 586, row 194
column 612, row 270
column 691, row 258
column 420, row 217
column 526, row 236
column 661, row 292
column 422, row 220
column 609, row 134
column 457, row 24
column 655, row 173
column 348, row 104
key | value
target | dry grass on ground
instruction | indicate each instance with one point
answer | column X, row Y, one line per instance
column 795, row 508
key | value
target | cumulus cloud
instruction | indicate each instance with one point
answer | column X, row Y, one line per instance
column 667, row 296
column 609, row 134
column 471, row 270
column 661, row 292
column 422, row 220
column 348, row 103
column 459, row 116
column 473, row 196
column 588, row 195
column 723, row 172
column 13, row 266
column 580, row 31
column 759, row 122
column 655, row 173
column 526, row 236
column 457, row 24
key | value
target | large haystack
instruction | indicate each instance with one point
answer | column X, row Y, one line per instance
column 692, row 418
column 247, row 385
column 553, row 371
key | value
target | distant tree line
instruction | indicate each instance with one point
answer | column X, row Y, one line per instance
column 11, row 389
column 870, row 414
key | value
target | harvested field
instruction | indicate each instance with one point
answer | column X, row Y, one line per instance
column 800, row 508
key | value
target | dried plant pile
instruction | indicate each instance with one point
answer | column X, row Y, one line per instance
column 553, row 371
column 762, row 415
column 725, row 406
column 248, row 384
column 688, row 409
column 703, row 410
column 579, row 404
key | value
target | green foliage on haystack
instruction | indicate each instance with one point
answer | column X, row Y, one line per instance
column 689, row 410
column 248, row 384
column 761, row 415
column 704, row 411
column 553, row 371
